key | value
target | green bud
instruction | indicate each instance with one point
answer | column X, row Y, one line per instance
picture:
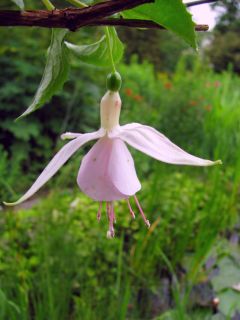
column 114, row 81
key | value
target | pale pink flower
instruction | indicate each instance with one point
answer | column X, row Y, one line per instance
column 107, row 172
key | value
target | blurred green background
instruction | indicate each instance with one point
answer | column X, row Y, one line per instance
column 55, row 260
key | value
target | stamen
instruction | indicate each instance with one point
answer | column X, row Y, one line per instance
column 113, row 214
column 99, row 214
column 130, row 208
column 141, row 211
column 111, row 217
column 108, row 208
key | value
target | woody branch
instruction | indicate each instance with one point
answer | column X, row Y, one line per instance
column 73, row 19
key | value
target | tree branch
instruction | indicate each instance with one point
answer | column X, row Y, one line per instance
column 135, row 23
column 69, row 18
column 73, row 19
column 198, row 2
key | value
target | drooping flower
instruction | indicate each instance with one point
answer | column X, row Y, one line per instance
column 107, row 172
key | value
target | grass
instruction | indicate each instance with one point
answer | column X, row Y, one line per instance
column 55, row 260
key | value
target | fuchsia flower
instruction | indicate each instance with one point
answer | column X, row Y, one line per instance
column 107, row 173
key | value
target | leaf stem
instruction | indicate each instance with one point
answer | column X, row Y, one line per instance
column 110, row 48
column 78, row 3
column 48, row 4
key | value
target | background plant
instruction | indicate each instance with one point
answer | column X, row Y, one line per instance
column 55, row 262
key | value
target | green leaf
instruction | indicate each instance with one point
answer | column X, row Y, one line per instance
column 228, row 274
column 229, row 302
column 170, row 315
column 55, row 73
column 218, row 316
column 171, row 14
column 200, row 313
column 97, row 53
column 31, row 129
column 19, row 3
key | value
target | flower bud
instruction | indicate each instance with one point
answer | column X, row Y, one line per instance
column 114, row 81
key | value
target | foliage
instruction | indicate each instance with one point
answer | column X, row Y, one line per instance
column 55, row 72
column 229, row 17
column 29, row 143
column 225, row 46
column 166, row 47
column 142, row 273
column 224, row 56
column 97, row 53
column 108, row 49
column 55, row 260
column 171, row 15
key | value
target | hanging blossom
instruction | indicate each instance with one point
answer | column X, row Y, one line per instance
column 107, row 172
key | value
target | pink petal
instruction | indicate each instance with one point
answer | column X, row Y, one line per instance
column 148, row 140
column 70, row 135
column 73, row 135
column 107, row 172
column 56, row 163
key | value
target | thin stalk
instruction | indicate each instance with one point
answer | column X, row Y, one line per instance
column 110, row 48
column 48, row 4
column 198, row 2
column 78, row 3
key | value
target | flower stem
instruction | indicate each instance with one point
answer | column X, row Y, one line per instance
column 78, row 3
column 110, row 48
column 48, row 4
